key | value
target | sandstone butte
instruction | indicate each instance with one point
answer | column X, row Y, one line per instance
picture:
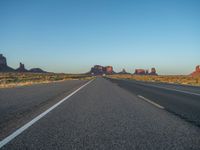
column 196, row 72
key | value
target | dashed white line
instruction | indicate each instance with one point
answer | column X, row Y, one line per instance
column 149, row 101
column 30, row 123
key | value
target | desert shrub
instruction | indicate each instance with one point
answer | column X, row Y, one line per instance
column 14, row 79
column 177, row 79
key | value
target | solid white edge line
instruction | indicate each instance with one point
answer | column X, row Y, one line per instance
column 186, row 92
column 171, row 89
column 149, row 101
column 30, row 123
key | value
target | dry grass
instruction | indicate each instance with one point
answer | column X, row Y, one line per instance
column 177, row 79
column 8, row 80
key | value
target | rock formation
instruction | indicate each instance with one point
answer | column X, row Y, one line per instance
column 140, row 72
column 123, row 72
column 108, row 69
column 153, row 71
column 100, row 70
column 37, row 70
column 5, row 68
column 21, row 68
column 3, row 65
column 145, row 72
column 3, row 62
column 197, row 71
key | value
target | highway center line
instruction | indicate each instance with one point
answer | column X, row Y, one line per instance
column 30, row 123
column 149, row 101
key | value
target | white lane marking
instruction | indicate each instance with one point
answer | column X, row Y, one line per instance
column 171, row 89
column 186, row 92
column 149, row 101
column 30, row 123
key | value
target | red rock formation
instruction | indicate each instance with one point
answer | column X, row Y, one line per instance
column 145, row 72
column 197, row 71
column 100, row 70
column 140, row 72
column 198, row 68
column 109, row 69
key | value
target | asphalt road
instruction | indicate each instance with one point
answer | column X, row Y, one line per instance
column 108, row 115
column 18, row 105
column 183, row 101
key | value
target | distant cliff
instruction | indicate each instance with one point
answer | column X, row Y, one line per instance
column 107, row 70
column 3, row 65
column 196, row 72
column 145, row 72
column 100, row 70
column 21, row 68
column 5, row 68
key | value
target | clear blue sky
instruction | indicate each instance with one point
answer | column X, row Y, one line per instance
column 71, row 36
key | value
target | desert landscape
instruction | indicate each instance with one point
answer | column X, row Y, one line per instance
column 175, row 79
column 100, row 75
column 12, row 79
column 21, row 76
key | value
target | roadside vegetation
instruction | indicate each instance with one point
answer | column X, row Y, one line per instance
column 176, row 79
column 22, row 79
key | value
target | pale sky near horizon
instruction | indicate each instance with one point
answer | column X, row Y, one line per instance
column 72, row 36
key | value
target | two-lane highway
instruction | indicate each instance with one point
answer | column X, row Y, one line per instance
column 102, row 115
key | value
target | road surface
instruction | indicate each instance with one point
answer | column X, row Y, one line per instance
column 18, row 105
column 105, row 114
column 183, row 101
